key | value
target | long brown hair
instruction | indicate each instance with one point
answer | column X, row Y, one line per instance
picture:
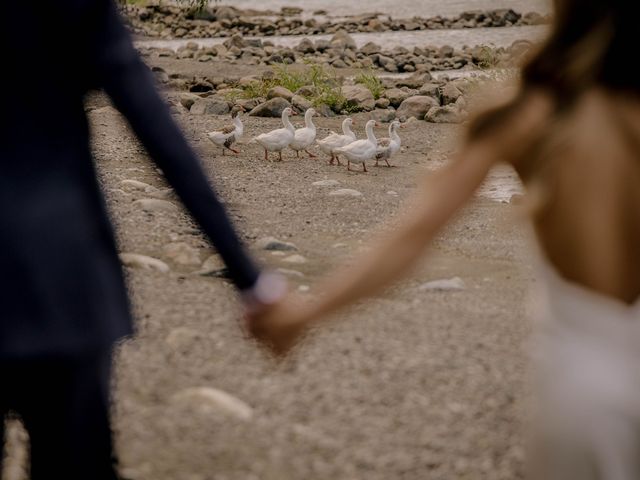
column 593, row 43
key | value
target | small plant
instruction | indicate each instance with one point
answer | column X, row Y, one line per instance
column 372, row 82
column 256, row 89
column 289, row 79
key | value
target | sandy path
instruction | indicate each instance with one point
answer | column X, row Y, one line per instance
column 418, row 384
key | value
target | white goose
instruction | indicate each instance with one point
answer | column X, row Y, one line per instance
column 277, row 140
column 304, row 137
column 330, row 143
column 388, row 147
column 229, row 134
column 361, row 150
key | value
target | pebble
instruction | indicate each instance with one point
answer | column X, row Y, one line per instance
column 455, row 283
column 155, row 205
column 299, row 259
column 304, row 288
column 272, row 243
column 208, row 400
column 345, row 192
column 136, row 260
column 291, row 273
column 326, row 183
column 137, row 185
column 181, row 253
column 392, row 193
column 211, row 266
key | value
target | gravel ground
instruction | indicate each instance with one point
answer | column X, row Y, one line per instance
column 416, row 384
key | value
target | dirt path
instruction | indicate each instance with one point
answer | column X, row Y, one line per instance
column 417, row 384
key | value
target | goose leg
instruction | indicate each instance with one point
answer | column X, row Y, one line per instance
column 338, row 160
column 223, row 151
column 332, row 159
column 280, row 155
column 387, row 160
column 364, row 167
column 266, row 155
column 348, row 165
column 297, row 153
column 311, row 155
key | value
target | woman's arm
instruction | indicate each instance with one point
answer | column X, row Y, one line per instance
column 132, row 88
column 440, row 196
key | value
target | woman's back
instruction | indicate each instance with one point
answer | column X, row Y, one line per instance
column 584, row 180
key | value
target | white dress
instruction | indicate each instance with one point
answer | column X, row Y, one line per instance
column 588, row 366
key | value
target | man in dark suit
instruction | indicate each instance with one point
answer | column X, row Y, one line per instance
column 62, row 295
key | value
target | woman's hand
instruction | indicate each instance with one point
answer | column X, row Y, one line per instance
column 280, row 326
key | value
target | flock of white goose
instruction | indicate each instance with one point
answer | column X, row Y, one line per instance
column 300, row 140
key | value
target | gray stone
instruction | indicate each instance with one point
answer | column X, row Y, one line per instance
column 236, row 41
column 417, row 107
column 343, row 40
column 280, row 92
column 306, row 46
column 271, row 108
column 370, row 48
column 430, row 90
column 188, row 99
column 135, row 260
column 455, row 283
column 396, row 96
column 181, row 253
column 297, row 259
column 388, row 63
column 154, row 205
column 414, row 81
column 383, row 103
column 301, row 103
column 450, row 93
column 210, row 106
column 345, row 192
column 446, row 114
column 359, row 96
column 273, row 244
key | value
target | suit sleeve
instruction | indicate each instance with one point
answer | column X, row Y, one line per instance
column 131, row 86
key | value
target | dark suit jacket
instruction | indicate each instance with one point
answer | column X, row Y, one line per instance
column 61, row 285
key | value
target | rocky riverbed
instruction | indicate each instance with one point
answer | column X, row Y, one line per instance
column 335, row 77
column 427, row 381
column 170, row 21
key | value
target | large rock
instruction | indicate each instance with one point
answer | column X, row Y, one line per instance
column 280, row 92
column 450, row 94
column 236, row 41
column 359, row 97
column 396, row 96
column 188, row 99
column 306, row 46
column 417, row 107
column 388, row 63
column 301, row 103
column 271, row 108
column 446, row 114
column 370, row 48
column 343, row 40
column 415, row 81
column 210, row 106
